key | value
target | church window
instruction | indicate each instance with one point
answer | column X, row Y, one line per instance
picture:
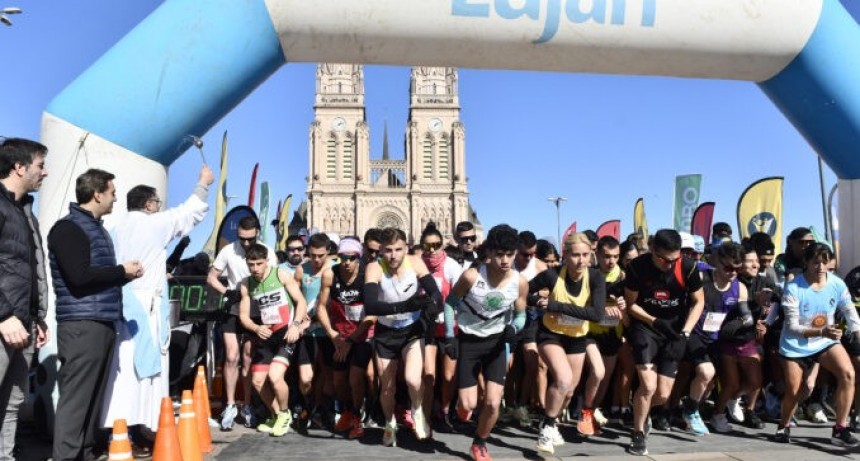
column 427, row 158
column 331, row 158
column 444, row 156
column 347, row 156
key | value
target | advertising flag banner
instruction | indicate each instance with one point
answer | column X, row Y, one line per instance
column 703, row 220
column 760, row 210
column 640, row 225
column 220, row 201
column 283, row 229
column 570, row 230
column 253, row 189
column 612, row 228
column 686, row 199
column 264, row 211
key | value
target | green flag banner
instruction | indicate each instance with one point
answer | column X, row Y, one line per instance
column 686, row 200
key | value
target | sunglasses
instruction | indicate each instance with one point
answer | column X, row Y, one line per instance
column 248, row 239
column 805, row 243
column 665, row 260
column 371, row 252
column 293, row 249
column 732, row 267
column 432, row 246
column 348, row 258
column 467, row 239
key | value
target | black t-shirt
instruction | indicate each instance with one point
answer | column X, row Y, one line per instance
column 665, row 295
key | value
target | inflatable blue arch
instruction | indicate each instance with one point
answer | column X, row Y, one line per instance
column 191, row 61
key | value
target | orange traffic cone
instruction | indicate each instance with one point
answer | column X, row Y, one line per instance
column 202, row 421
column 120, row 446
column 189, row 440
column 166, row 439
column 201, row 375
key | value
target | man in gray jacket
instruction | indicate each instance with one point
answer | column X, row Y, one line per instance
column 23, row 286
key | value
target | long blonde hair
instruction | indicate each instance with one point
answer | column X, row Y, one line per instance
column 573, row 239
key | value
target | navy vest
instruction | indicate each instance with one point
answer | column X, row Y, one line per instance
column 102, row 303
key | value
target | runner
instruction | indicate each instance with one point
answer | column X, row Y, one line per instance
column 280, row 304
column 341, row 314
column 577, row 293
column 391, row 292
column 491, row 309
column 316, row 404
column 665, row 300
column 295, row 251
column 445, row 272
column 810, row 335
column 604, row 338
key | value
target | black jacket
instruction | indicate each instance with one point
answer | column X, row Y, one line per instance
column 18, row 282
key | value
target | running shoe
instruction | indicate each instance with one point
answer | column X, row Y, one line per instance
column 660, row 423
column 555, row 434
column 228, row 417
column 843, row 438
column 357, row 430
column 585, row 426
column 721, row 423
column 751, row 420
column 404, row 417
column 815, row 413
column 783, row 435
column 521, row 414
column 735, row 411
column 479, row 452
column 268, row 425
column 637, row 446
column 389, row 436
column 282, row 424
column 248, row 416
column 345, row 422
column 695, row 423
column 303, row 421
column 422, row 426
column 506, row 415
column 599, row 418
column 545, row 440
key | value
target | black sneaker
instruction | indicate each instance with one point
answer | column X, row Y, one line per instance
column 637, row 445
column 751, row 420
column 303, row 421
column 783, row 435
column 843, row 438
column 660, row 423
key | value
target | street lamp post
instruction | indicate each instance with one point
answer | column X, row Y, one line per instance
column 557, row 201
column 5, row 11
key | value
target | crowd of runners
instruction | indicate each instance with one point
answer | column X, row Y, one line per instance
column 352, row 334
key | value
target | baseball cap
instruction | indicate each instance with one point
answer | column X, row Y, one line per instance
column 687, row 241
column 699, row 243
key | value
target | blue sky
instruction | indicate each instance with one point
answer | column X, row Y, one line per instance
column 601, row 141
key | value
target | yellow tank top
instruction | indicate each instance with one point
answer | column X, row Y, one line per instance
column 607, row 325
column 562, row 324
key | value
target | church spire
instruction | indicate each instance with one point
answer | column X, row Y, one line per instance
column 385, row 155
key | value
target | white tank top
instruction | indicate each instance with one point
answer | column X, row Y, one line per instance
column 392, row 290
column 531, row 269
column 485, row 310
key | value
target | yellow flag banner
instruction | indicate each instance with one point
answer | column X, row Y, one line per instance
column 283, row 231
column 640, row 225
column 760, row 210
column 220, row 201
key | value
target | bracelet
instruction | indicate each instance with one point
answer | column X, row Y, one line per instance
column 296, row 323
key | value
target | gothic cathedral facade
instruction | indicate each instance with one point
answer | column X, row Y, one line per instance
column 349, row 192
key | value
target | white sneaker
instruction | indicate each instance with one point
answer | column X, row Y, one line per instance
column 599, row 417
column 545, row 443
column 736, row 413
column 815, row 413
column 555, row 434
column 389, row 436
column 721, row 424
column 521, row 414
column 422, row 427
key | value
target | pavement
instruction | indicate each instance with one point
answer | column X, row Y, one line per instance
column 811, row 442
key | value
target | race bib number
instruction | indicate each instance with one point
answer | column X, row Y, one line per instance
column 607, row 321
column 355, row 313
column 569, row 321
column 713, row 321
column 270, row 304
column 271, row 315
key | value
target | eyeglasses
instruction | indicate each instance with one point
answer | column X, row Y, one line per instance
column 348, row 258
column 295, row 249
column 467, row 239
column 432, row 246
column 248, row 239
column 666, row 260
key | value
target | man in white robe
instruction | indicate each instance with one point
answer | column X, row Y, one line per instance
column 139, row 376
